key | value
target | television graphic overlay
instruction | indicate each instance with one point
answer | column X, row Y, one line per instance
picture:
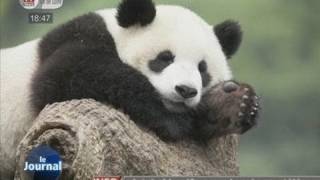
column 41, row 4
column 43, row 163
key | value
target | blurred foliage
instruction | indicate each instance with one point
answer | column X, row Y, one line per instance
column 280, row 57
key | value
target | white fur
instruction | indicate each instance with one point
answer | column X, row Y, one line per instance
column 182, row 32
column 17, row 66
column 174, row 28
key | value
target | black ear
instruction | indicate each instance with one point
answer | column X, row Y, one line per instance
column 230, row 35
column 131, row 12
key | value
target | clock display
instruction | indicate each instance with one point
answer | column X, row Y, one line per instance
column 40, row 18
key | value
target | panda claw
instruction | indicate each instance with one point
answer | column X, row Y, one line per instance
column 240, row 114
column 252, row 113
column 243, row 105
column 246, row 89
column 245, row 97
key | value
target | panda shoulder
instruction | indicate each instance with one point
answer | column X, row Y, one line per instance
column 88, row 30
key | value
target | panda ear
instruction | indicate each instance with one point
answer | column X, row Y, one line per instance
column 229, row 35
column 132, row 12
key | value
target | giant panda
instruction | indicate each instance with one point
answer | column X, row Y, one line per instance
column 158, row 64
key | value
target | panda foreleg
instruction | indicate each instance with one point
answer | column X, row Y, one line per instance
column 76, row 72
column 230, row 107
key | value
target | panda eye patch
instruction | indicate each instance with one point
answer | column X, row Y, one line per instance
column 163, row 59
column 205, row 76
column 166, row 56
column 202, row 66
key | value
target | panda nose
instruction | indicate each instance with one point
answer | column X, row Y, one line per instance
column 186, row 92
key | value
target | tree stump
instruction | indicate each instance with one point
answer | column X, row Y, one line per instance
column 94, row 139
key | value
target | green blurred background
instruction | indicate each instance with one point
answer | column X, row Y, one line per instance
column 280, row 57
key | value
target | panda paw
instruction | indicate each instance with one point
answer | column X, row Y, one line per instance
column 232, row 108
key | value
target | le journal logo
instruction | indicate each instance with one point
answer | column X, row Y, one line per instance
column 43, row 162
column 43, row 166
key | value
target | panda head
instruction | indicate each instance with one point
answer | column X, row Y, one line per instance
column 180, row 54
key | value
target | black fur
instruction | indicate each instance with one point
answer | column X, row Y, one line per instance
column 86, row 65
column 224, row 110
column 163, row 60
column 132, row 12
column 79, row 60
column 230, row 36
column 85, row 30
column 205, row 76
